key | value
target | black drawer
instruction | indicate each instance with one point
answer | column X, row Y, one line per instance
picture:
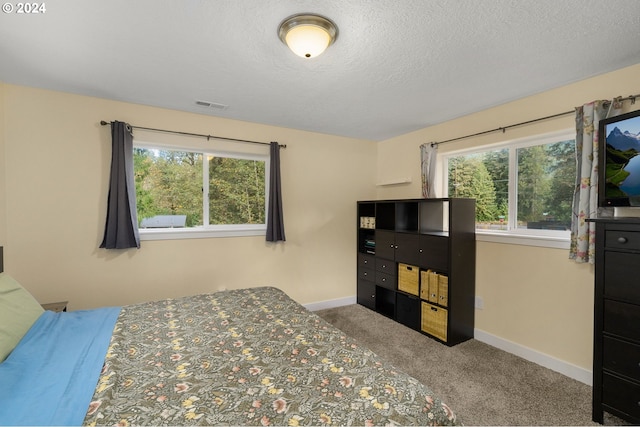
column 408, row 310
column 619, row 278
column 622, row 319
column 621, row 357
column 366, row 274
column 367, row 261
column 386, row 244
column 622, row 239
column 386, row 280
column 386, row 266
column 367, row 294
column 621, row 395
column 407, row 248
column 434, row 252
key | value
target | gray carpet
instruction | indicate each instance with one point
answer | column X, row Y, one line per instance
column 483, row 385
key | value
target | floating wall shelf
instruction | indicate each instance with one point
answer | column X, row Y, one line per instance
column 397, row 181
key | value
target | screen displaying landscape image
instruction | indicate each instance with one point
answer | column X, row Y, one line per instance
column 622, row 174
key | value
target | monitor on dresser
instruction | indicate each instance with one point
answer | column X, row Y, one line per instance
column 619, row 161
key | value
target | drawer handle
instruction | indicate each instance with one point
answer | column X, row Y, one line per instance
column 622, row 240
column 434, row 309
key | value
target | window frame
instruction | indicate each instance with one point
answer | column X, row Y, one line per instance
column 209, row 230
column 513, row 235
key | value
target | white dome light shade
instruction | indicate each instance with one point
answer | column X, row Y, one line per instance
column 307, row 35
column 307, row 41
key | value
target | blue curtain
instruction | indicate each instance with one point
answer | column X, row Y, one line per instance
column 275, row 219
column 121, row 228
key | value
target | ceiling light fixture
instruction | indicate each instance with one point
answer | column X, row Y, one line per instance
column 307, row 35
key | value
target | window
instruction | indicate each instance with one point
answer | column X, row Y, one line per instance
column 183, row 194
column 522, row 187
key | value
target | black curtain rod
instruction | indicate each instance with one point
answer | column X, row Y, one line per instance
column 104, row 123
column 631, row 98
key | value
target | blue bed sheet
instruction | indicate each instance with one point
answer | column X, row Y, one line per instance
column 51, row 375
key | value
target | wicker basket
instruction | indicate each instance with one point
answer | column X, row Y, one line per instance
column 434, row 320
column 408, row 278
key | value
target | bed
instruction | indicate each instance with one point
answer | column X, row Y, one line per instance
column 241, row 357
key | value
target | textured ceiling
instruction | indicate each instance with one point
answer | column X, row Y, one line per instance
column 397, row 66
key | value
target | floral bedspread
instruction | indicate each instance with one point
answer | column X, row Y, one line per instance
column 249, row 357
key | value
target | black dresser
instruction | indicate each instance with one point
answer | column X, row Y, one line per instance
column 616, row 347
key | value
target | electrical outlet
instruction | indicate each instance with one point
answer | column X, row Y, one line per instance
column 479, row 303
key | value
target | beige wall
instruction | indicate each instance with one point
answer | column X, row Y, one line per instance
column 534, row 297
column 57, row 167
column 56, row 160
column 3, row 198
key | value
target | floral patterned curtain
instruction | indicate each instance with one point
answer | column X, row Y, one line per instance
column 585, row 198
column 428, row 154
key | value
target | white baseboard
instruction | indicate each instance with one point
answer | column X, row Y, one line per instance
column 322, row 305
column 542, row 359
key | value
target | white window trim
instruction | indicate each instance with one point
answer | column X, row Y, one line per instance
column 208, row 231
column 558, row 242
column 539, row 238
column 203, row 232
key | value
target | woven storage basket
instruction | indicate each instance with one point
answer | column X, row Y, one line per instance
column 408, row 278
column 434, row 321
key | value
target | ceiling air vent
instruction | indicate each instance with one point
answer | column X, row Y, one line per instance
column 213, row 105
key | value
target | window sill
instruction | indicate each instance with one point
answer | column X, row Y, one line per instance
column 512, row 238
column 201, row 232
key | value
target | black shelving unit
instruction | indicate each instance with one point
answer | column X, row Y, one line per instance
column 435, row 240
